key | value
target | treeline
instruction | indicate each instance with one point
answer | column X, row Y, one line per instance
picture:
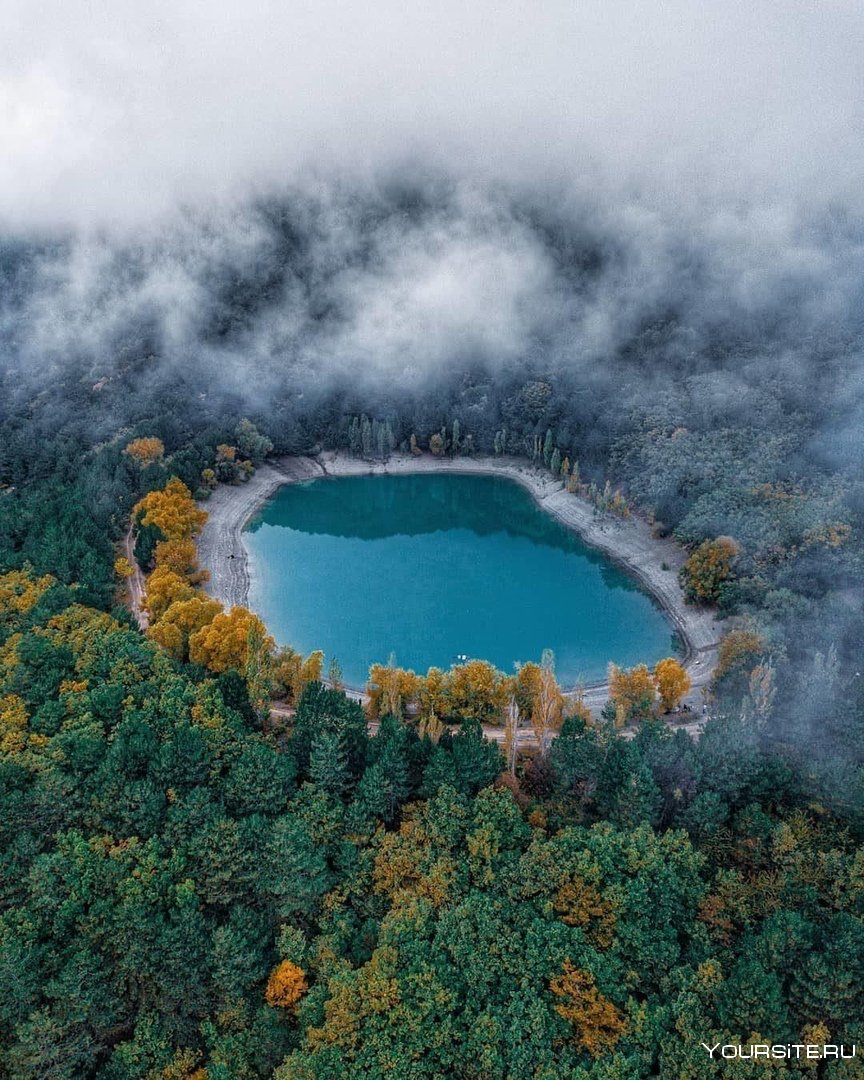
column 185, row 895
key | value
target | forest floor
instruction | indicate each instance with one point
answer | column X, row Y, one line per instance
column 652, row 561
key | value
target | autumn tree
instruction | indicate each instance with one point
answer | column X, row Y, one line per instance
column 224, row 643
column 123, row 568
column 476, row 689
column 180, row 621
column 597, row 1023
column 172, row 511
column 146, row 451
column 291, row 672
column 737, row 657
column 672, row 682
column 286, row 985
column 164, row 588
column 710, row 565
column 632, row 692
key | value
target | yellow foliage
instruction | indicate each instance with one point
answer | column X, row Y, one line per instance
column 632, row 691
column 291, row 673
column 123, row 568
column 224, row 643
column 13, row 724
column 20, row 592
column 597, row 1023
column 181, row 620
column 579, row 903
column 225, row 452
column 164, row 588
column 286, row 985
column 672, row 682
column 146, row 451
column 476, row 689
column 172, row 511
column 391, row 689
column 180, row 556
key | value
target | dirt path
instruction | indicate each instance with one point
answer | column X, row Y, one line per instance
column 136, row 583
column 654, row 562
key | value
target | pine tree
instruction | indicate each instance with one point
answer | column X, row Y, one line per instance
column 547, row 447
column 555, row 462
column 354, row 443
column 366, row 436
column 328, row 763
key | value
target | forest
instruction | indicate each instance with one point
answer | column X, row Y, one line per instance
column 192, row 891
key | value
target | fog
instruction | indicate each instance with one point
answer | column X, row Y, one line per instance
column 116, row 114
column 399, row 191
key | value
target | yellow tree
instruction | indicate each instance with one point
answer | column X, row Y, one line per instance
column 632, row 692
column 123, row 568
column 224, row 643
column 180, row 621
column 476, row 689
column 179, row 556
column 172, row 511
column 432, row 697
column 597, row 1023
column 390, row 689
column 164, row 588
column 291, row 673
column 672, row 682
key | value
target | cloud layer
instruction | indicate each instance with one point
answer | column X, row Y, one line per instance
column 121, row 112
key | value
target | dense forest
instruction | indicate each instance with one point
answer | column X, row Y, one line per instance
column 189, row 890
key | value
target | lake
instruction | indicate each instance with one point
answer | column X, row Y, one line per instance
column 433, row 566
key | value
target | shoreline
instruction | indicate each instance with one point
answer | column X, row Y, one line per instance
column 627, row 543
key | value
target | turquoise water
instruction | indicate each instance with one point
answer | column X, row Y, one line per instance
column 428, row 567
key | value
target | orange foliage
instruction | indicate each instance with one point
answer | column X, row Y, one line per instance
column 672, row 682
column 172, row 511
column 579, row 903
column 224, row 643
column 707, row 568
column 291, row 673
column 286, row 985
column 146, row 451
column 597, row 1023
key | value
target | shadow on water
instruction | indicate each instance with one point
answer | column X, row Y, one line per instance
column 353, row 508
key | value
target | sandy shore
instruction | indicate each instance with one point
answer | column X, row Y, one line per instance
column 629, row 543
